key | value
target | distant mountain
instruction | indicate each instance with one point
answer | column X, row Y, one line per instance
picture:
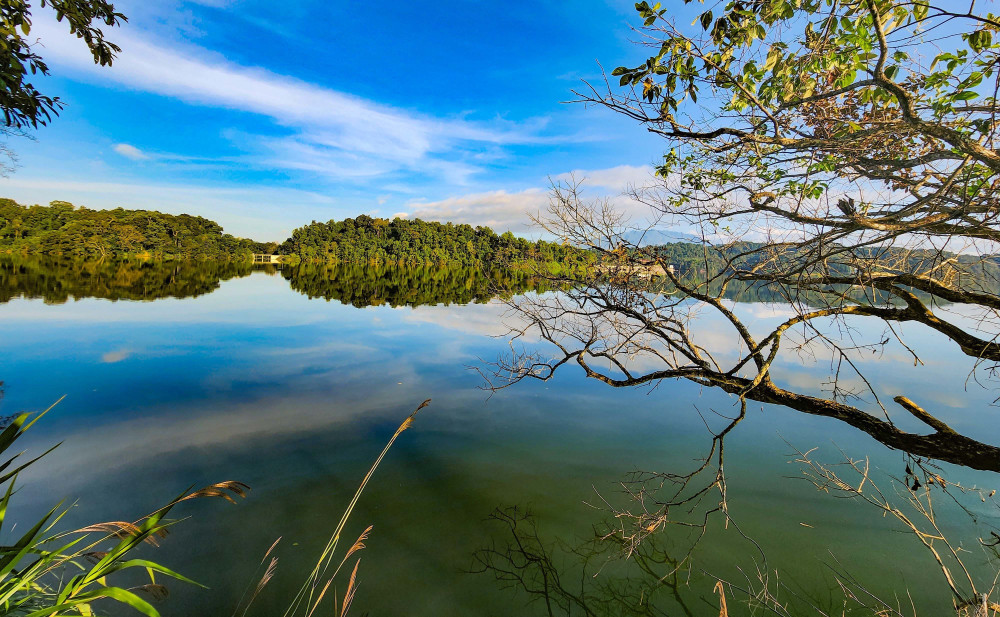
column 656, row 237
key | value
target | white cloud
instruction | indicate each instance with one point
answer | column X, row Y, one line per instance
column 331, row 131
column 117, row 355
column 498, row 209
column 131, row 152
column 512, row 211
column 614, row 178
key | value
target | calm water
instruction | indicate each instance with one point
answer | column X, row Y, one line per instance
column 289, row 386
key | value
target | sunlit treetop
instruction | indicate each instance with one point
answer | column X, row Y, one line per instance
column 771, row 100
column 22, row 104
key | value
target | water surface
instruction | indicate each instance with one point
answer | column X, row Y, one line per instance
column 292, row 383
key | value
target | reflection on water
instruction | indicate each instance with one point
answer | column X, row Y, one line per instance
column 57, row 280
column 259, row 383
column 374, row 285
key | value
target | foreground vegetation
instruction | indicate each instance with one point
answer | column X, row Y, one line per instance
column 47, row 572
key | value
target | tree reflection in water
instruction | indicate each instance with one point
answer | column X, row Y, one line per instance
column 58, row 280
column 377, row 285
column 658, row 520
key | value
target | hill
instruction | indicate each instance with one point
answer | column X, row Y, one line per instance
column 416, row 242
column 64, row 229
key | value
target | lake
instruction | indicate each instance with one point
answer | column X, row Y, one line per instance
column 292, row 381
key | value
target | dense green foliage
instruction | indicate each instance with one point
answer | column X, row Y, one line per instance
column 63, row 229
column 22, row 104
column 363, row 285
column 416, row 242
column 57, row 280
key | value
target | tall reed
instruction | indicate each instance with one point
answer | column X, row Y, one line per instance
column 46, row 573
column 310, row 595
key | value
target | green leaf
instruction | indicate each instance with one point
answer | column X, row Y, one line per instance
column 980, row 40
column 24, row 546
column 115, row 593
column 153, row 566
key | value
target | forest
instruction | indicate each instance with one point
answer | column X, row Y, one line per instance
column 415, row 242
column 62, row 229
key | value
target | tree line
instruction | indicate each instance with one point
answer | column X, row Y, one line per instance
column 63, row 229
column 416, row 242
column 697, row 262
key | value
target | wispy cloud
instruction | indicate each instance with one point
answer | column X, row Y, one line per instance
column 503, row 210
column 328, row 131
column 618, row 178
column 497, row 209
column 131, row 152
column 117, row 355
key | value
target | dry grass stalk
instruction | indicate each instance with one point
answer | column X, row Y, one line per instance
column 351, row 589
column 320, row 598
column 359, row 543
column 264, row 579
column 273, row 546
column 719, row 589
column 119, row 529
column 220, row 489
column 307, row 599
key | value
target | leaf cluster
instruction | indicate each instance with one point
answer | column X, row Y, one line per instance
column 22, row 104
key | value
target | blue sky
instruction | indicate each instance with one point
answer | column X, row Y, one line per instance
column 266, row 119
